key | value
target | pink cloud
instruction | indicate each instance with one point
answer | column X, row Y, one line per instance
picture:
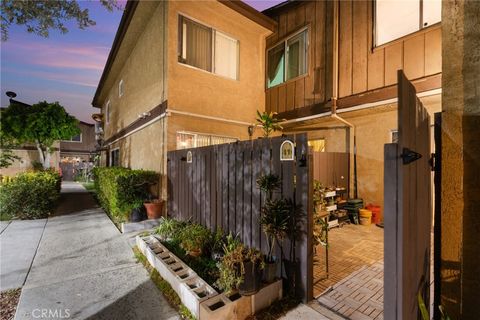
column 77, row 78
column 73, row 56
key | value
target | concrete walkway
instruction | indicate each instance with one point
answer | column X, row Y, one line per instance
column 84, row 269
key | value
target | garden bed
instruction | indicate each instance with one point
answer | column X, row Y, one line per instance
column 203, row 301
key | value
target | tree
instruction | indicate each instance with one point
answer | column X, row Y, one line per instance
column 40, row 16
column 41, row 124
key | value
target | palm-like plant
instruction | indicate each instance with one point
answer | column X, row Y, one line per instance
column 269, row 183
column 268, row 122
column 275, row 224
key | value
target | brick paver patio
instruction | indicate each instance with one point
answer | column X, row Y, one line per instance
column 354, row 287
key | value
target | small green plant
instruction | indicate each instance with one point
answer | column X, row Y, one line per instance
column 194, row 237
column 269, row 183
column 320, row 226
column 232, row 266
column 424, row 310
column 170, row 229
column 275, row 221
column 268, row 122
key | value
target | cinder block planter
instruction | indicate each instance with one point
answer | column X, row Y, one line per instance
column 199, row 297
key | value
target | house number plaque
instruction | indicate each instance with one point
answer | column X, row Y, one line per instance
column 287, row 151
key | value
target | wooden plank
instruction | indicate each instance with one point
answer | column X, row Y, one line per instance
column 433, row 51
column 300, row 16
column 328, row 50
column 274, row 99
column 390, row 235
column 239, row 171
column 300, row 93
column 282, row 97
column 345, row 49
column 360, row 46
column 231, row 189
column 309, row 79
column 282, row 25
column 268, row 102
column 414, row 57
column 376, row 73
column 225, row 188
column 290, row 95
column 290, row 21
column 247, row 193
column 208, row 189
column 265, row 169
column 256, row 172
column 393, row 62
column 320, row 51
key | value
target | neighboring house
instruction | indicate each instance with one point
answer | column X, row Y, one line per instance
column 180, row 74
column 78, row 152
column 81, row 147
column 309, row 71
column 188, row 74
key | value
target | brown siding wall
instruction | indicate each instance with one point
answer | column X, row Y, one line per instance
column 361, row 66
column 311, row 88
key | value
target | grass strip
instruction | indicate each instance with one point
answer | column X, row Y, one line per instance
column 163, row 286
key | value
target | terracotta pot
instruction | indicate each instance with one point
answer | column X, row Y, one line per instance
column 154, row 209
column 195, row 253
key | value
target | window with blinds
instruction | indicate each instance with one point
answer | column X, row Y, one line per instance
column 187, row 140
column 207, row 49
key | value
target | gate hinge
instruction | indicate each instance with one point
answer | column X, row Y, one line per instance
column 409, row 156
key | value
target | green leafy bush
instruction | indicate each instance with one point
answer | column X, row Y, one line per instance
column 30, row 195
column 119, row 190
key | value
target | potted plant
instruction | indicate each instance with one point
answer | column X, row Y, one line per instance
column 154, row 208
column 217, row 240
column 193, row 239
column 138, row 212
column 275, row 221
column 239, row 268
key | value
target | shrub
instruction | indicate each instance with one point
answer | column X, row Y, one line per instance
column 120, row 190
column 30, row 195
column 194, row 237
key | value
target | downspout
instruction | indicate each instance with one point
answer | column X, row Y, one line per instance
column 335, row 76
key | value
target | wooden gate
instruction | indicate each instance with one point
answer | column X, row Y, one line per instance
column 408, row 208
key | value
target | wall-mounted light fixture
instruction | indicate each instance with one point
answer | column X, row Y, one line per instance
column 144, row 115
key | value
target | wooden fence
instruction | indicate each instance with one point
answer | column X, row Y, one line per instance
column 218, row 189
column 332, row 168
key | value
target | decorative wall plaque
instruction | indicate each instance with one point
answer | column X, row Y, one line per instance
column 287, row 151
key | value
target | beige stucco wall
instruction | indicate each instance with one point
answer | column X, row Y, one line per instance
column 145, row 149
column 26, row 159
column 201, row 92
column 373, row 130
column 139, row 64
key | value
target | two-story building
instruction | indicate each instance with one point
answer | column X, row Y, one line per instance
column 181, row 74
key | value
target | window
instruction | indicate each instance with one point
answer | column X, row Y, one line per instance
column 317, row 145
column 288, row 59
column 207, row 49
column 397, row 18
column 114, row 158
column 77, row 138
column 107, row 112
column 187, row 140
column 120, row 89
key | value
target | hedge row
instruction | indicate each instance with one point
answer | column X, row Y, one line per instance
column 30, row 195
column 119, row 190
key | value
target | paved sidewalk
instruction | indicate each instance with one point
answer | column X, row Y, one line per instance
column 84, row 269
column 18, row 244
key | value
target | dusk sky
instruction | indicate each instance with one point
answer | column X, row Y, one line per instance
column 64, row 67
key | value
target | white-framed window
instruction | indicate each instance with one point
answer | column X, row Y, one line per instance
column 208, row 49
column 187, row 140
column 120, row 89
column 394, row 136
column 288, row 59
column 107, row 112
column 397, row 18
column 114, row 159
column 77, row 138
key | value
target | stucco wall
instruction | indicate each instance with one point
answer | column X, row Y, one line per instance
column 88, row 140
column 373, row 130
column 139, row 64
column 145, row 149
column 26, row 159
column 201, row 92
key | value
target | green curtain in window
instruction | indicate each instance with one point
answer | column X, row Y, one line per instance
column 275, row 65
